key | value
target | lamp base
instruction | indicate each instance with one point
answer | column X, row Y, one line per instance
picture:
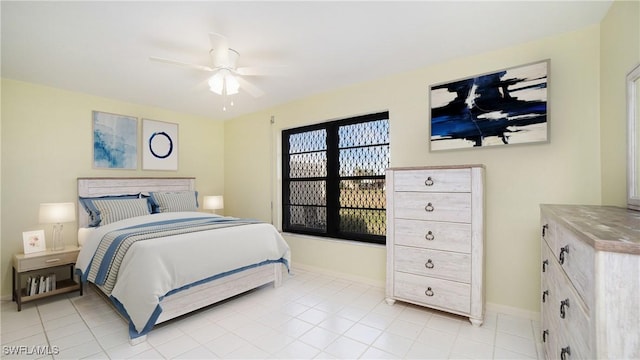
column 58, row 242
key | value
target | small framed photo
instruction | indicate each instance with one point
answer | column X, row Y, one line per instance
column 33, row 241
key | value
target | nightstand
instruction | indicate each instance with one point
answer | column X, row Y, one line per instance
column 40, row 265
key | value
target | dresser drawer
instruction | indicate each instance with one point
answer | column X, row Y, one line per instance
column 575, row 326
column 577, row 259
column 434, row 180
column 454, row 207
column 548, row 282
column 434, row 292
column 550, row 329
column 441, row 264
column 563, row 343
column 568, row 313
column 27, row 263
column 433, row 235
column 548, row 231
column 550, row 298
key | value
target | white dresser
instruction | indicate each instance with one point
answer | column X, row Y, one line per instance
column 590, row 283
column 435, row 238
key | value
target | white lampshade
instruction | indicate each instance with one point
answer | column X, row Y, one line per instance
column 213, row 202
column 56, row 213
column 231, row 84
column 224, row 83
column 216, row 83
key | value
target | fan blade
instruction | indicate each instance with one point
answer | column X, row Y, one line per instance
column 220, row 50
column 261, row 71
column 180, row 63
column 249, row 87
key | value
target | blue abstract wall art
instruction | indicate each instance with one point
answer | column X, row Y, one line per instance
column 495, row 109
column 115, row 141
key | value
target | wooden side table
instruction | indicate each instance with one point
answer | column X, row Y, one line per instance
column 43, row 263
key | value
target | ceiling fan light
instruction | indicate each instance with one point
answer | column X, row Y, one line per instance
column 216, row 83
column 224, row 83
column 232, row 84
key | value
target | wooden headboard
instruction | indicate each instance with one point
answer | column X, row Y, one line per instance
column 102, row 186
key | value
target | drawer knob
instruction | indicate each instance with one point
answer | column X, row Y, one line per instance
column 544, row 295
column 429, row 207
column 429, row 292
column 429, row 264
column 563, row 250
column 545, row 263
column 564, row 352
column 564, row 304
column 429, row 236
column 429, row 181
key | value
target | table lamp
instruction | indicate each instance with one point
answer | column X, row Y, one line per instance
column 56, row 214
column 213, row 202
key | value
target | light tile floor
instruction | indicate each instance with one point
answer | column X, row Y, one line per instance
column 312, row 316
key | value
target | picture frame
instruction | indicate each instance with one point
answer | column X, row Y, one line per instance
column 494, row 109
column 160, row 145
column 115, row 141
column 33, row 241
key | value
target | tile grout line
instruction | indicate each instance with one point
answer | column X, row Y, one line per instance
column 90, row 330
column 364, row 303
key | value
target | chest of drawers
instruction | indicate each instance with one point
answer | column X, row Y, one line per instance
column 435, row 238
column 590, row 282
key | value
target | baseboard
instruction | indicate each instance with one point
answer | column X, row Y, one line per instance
column 5, row 298
column 510, row 310
column 491, row 307
column 345, row 276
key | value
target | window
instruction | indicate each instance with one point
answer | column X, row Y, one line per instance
column 333, row 178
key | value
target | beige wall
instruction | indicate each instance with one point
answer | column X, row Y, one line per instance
column 47, row 144
column 620, row 39
column 519, row 178
column 583, row 163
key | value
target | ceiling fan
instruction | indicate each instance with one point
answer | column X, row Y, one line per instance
column 227, row 78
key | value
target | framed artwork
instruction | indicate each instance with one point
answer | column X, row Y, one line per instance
column 115, row 141
column 494, row 109
column 160, row 145
column 33, row 241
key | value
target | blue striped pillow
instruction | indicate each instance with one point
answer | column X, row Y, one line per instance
column 94, row 213
column 172, row 201
column 116, row 210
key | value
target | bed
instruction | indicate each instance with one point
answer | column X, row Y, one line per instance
column 127, row 226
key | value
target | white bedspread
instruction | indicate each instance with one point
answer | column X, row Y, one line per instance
column 151, row 269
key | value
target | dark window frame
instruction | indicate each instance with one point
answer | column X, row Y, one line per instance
column 332, row 178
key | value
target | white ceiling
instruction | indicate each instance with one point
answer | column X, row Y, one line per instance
column 103, row 48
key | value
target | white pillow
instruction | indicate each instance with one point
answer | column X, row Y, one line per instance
column 83, row 234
